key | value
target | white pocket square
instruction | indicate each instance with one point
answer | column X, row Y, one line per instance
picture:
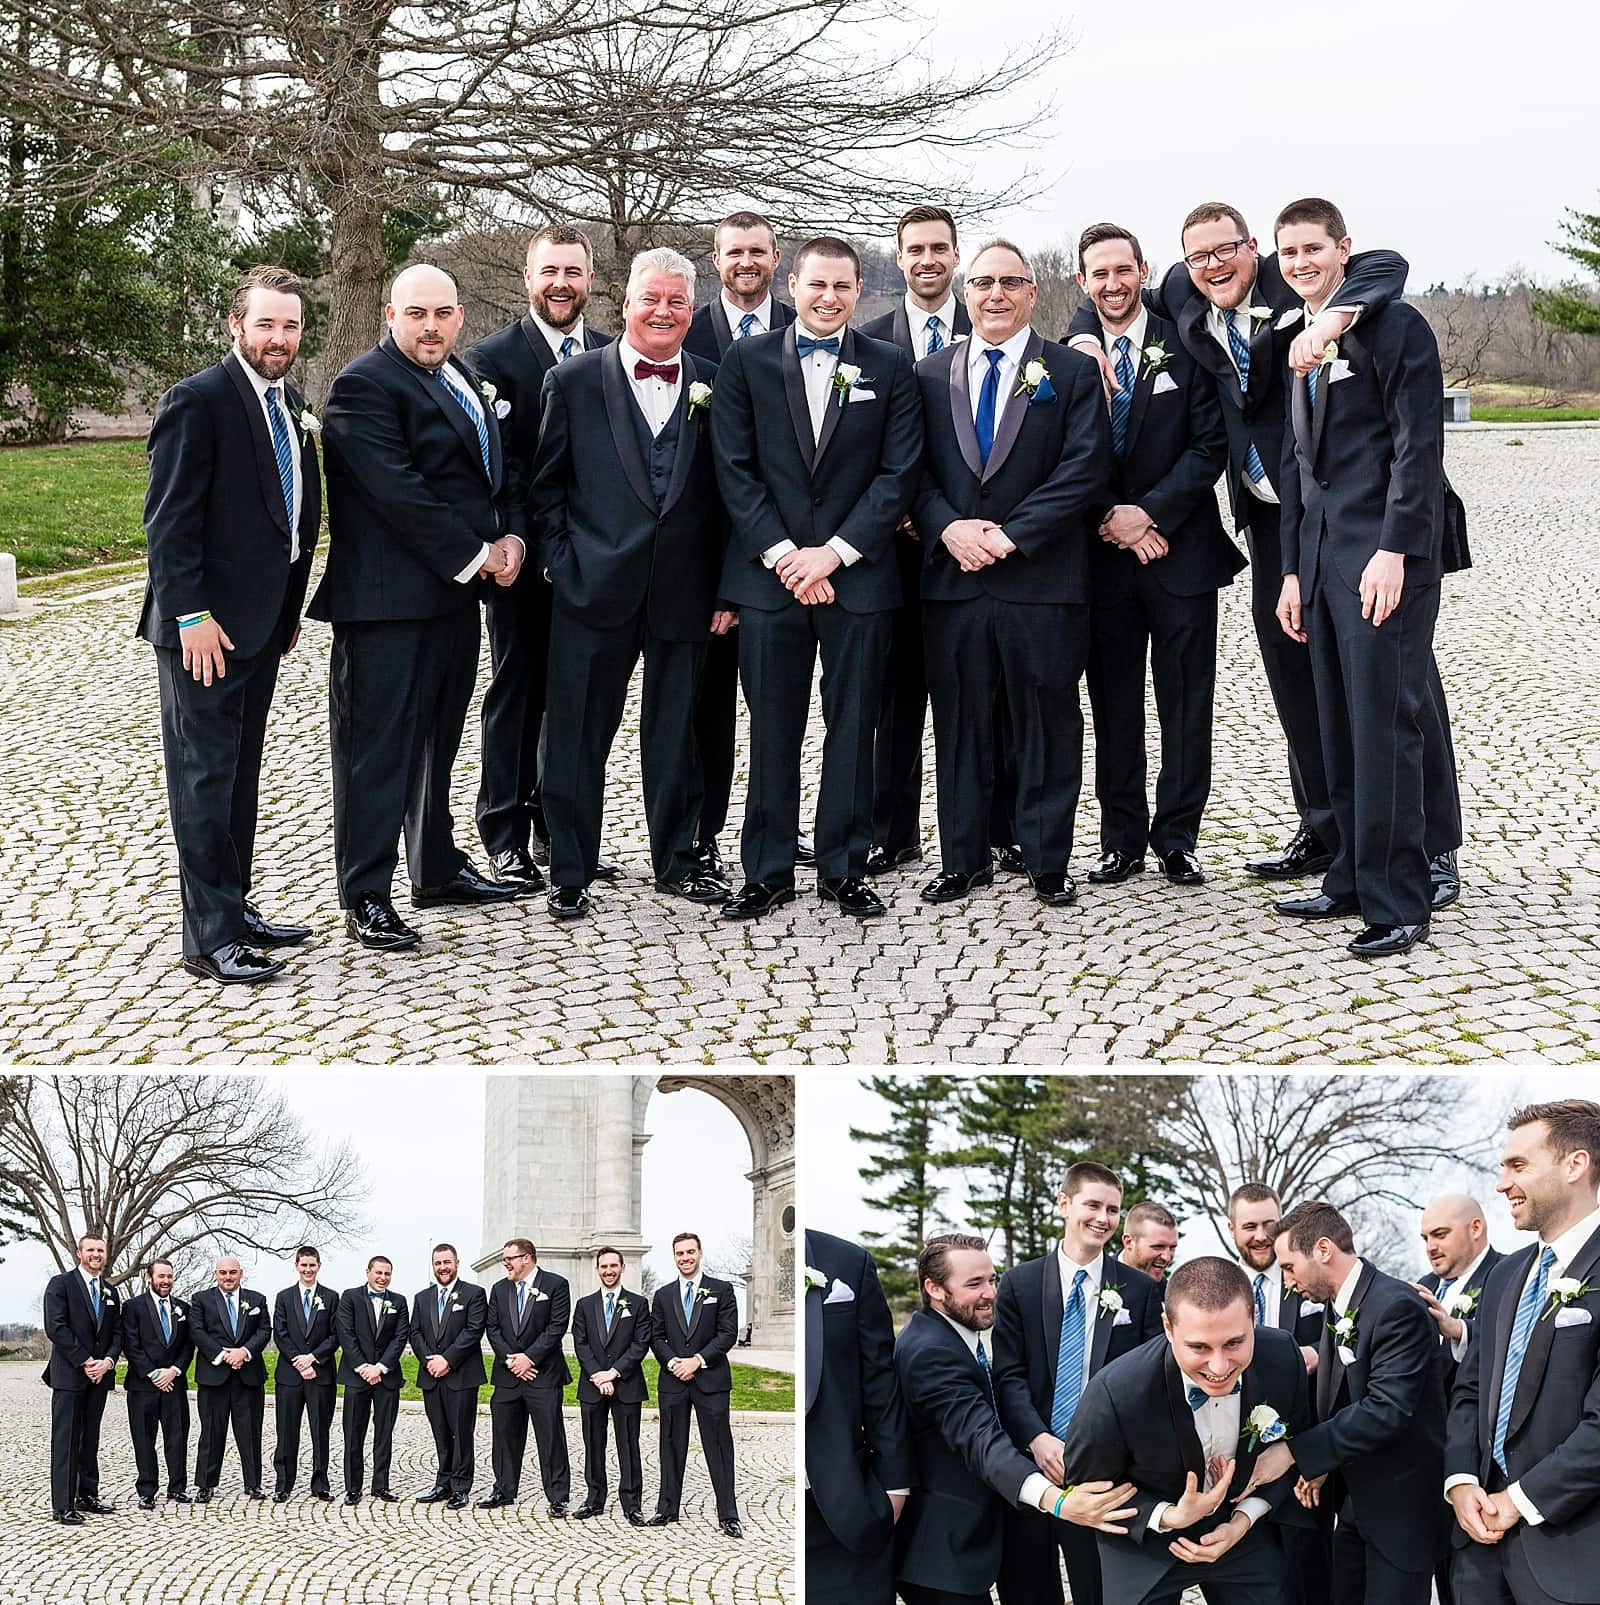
column 1122, row 1318
column 1164, row 383
column 709, row 1298
column 1312, row 1309
column 1338, row 369
column 840, row 1294
column 1347, row 1355
column 502, row 409
column 1292, row 316
column 543, row 1298
column 1573, row 1315
column 863, row 395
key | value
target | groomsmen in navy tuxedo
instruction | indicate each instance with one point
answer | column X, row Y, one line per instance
column 611, row 1336
column 303, row 1328
column 159, row 1346
column 818, row 442
column 372, row 1323
column 624, row 503
column 231, row 1330
column 1522, row 1452
column 83, row 1320
column 448, row 1320
column 558, row 276
column 231, row 515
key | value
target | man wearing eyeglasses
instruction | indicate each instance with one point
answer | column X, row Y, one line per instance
column 1015, row 477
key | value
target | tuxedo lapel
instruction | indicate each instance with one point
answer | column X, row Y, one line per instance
column 688, row 437
column 1261, row 353
column 1196, row 336
column 1143, row 388
column 1052, row 1309
column 813, row 1345
column 961, row 411
column 266, row 457
column 794, row 387
column 833, row 407
column 1244, row 1459
column 1531, row 1377
column 620, row 407
column 1288, row 1309
column 1183, row 1428
column 543, row 357
column 1014, row 414
column 1300, row 420
column 722, row 329
column 1100, row 1329
column 1505, row 1318
column 1319, row 413
column 902, row 329
column 432, row 386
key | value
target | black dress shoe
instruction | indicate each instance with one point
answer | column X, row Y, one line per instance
column 352, row 1499
column 586, row 1510
column 697, row 886
column 97, row 1507
column 731, row 1528
column 756, row 898
column 466, row 886
column 515, row 867
column 805, row 850
column 539, row 848
column 568, row 902
column 1383, row 941
column 69, row 1518
column 494, row 1501
column 457, row 1502
column 559, row 1509
column 1304, row 855
column 321, row 1493
column 233, row 964
column 660, row 1519
column 1319, row 906
column 1446, row 879
column 433, row 1496
column 949, row 885
column 1009, row 860
column 880, row 861
column 179, row 1496
column 709, row 857
column 636, row 1518
column 387, row 1497
column 1182, row 868
column 256, row 1493
column 281, row 1497
column 202, row 1496
column 606, row 869
column 263, row 933
column 1115, row 865
column 853, row 896
column 372, row 921
column 147, row 1501
column 1055, row 890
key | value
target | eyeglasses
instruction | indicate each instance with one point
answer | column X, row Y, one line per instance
column 511, row 1259
column 1223, row 253
column 1010, row 283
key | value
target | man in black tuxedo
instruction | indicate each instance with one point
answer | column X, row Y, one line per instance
column 744, row 251
column 159, row 1346
column 1364, row 512
column 1379, row 1435
column 1015, row 476
column 529, row 1310
column 303, row 1328
column 817, row 439
column 1156, row 569
column 231, row 1330
column 1057, row 1321
column 1522, row 1450
column 373, row 1324
column 1239, row 320
column 448, row 1321
column 859, row 1466
column 970, row 1476
column 694, row 1323
column 1185, row 1418
column 231, row 516
column 611, row 1336
column 558, row 275
column 418, row 512
column 83, row 1320
column 1150, row 1239
column 624, row 503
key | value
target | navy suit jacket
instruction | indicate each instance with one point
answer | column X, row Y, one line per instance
column 75, row 1335
column 546, row 1314
column 610, row 547
column 459, row 1337
column 208, row 1324
column 363, row 1342
column 710, row 334
column 712, row 1333
column 1553, row 1439
column 293, row 1337
column 214, row 515
column 409, row 503
column 626, row 1345
column 855, row 481
column 858, row 1442
column 1045, row 483
column 1491, row 1258
column 895, row 326
column 147, row 1350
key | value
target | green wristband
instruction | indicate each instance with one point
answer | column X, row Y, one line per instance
column 193, row 618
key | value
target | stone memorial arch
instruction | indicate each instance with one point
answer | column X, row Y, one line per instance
column 562, row 1165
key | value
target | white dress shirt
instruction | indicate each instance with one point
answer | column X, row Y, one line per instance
column 1347, row 1291
column 1216, row 1423
column 1068, row 1269
column 93, row 1276
column 261, row 385
column 1010, row 363
column 555, row 338
column 1271, row 1289
column 156, row 1301
column 1458, row 1346
column 1135, row 337
column 476, row 413
column 655, row 396
column 736, row 314
column 918, row 321
column 1217, row 328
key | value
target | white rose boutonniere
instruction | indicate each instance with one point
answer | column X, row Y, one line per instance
column 1263, row 1426
column 386, row 1308
column 1034, row 383
column 1330, row 353
column 310, row 424
column 846, row 376
column 489, row 391
column 1464, row 1301
column 1345, row 1334
column 1156, row 357
column 815, row 1278
column 1259, row 314
column 316, row 1301
column 699, row 397
column 1563, row 1291
column 1110, row 1302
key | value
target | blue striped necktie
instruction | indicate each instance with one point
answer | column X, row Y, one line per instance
column 988, row 1379
column 474, row 413
column 611, row 1310
column 282, row 451
column 1311, row 388
column 1444, row 1290
column 935, row 339
column 569, row 347
column 1521, row 1331
column 688, row 1304
column 94, row 1297
column 305, row 1305
column 1069, row 1360
column 1261, row 1298
column 1240, row 347
column 1121, row 400
column 747, row 326
column 988, row 406
column 166, row 1322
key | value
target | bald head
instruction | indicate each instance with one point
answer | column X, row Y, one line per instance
column 1454, row 1233
column 229, row 1273
column 424, row 314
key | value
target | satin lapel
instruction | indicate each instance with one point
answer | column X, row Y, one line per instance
column 688, row 437
column 1100, row 1329
column 721, row 328
column 544, row 358
column 1183, row 1429
column 676, row 1301
column 297, row 1313
column 813, row 1346
column 1197, row 337
column 1143, row 388
column 963, row 320
column 620, row 408
column 1260, row 349
column 1300, row 418
column 1051, row 1310
column 1319, row 413
column 1327, row 1359
column 961, row 411
column 266, row 458
column 902, row 329
column 1505, row 1318
column 1016, row 412
column 308, row 452
column 1357, row 1298
column 432, row 386
column 833, row 411
column 1531, row 1377
column 1288, row 1309
column 1244, row 1459
column 794, row 387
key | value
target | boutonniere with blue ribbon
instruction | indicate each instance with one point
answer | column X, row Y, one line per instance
column 1034, row 383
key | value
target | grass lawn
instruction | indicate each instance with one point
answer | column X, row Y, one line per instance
column 72, row 506
column 1533, row 415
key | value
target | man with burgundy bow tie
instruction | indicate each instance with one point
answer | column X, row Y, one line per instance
column 303, row 1384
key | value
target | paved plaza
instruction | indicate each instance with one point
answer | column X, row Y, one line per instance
column 237, row 1551
column 89, row 942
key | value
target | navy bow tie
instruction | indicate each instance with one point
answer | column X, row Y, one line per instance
column 1199, row 1396
column 807, row 345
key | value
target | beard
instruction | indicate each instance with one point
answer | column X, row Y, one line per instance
column 272, row 358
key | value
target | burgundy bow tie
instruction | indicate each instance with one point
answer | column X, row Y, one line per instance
column 656, row 370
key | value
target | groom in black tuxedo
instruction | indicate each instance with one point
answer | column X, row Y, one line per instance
column 611, row 1336
column 231, row 516
column 303, row 1328
column 159, row 1346
column 372, row 1323
column 83, row 1320
column 448, row 1320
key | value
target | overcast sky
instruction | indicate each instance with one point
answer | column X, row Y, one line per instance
column 694, row 1173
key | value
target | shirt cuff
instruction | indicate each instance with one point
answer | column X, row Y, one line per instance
column 1458, row 1346
column 1154, row 1523
column 769, row 558
column 1530, row 1511
column 1253, row 1509
column 1355, row 312
column 470, row 572
column 1037, row 1491
column 900, row 1493
column 1086, row 342
column 1462, row 1479
column 383, row 1370
column 847, row 553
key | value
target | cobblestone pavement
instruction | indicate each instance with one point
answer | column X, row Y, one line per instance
column 89, row 925
column 237, row 1551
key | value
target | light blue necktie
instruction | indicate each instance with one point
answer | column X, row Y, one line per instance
column 444, row 1293
column 611, row 1305
column 1261, row 1298
column 1240, row 347
column 988, row 1379
column 569, row 348
column 988, row 406
column 1521, row 1331
column 688, row 1303
column 935, row 339
column 1069, row 1360
column 1121, row 400
column 94, row 1297
column 233, row 1318
column 475, row 414
column 305, row 1305
column 806, row 345
column 166, row 1322
column 1444, row 1289
column 1198, row 1396
column 282, row 451
column 747, row 325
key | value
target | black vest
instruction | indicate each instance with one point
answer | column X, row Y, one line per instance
column 660, row 452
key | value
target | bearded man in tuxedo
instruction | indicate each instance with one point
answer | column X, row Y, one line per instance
column 82, row 1319
column 159, row 1345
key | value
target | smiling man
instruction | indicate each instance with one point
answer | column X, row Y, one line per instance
column 83, row 1320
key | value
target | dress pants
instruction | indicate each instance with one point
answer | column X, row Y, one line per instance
column 453, row 1416
column 1251, row 1573
column 398, row 694
column 778, row 652
column 1308, row 1559
column 1033, row 655
column 221, row 1405
column 902, row 717
column 211, row 739
column 630, row 1476
column 1495, row 1574
column 715, row 720
column 148, row 1410
column 590, row 667
column 75, row 1444
column 380, row 1406
column 1031, row 1559
column 518, row 621
column 1181, row 635
column 716, row 1440
column 838, row 1576
column 509, row 1414
column 1361, row 1576
column 919, row 1594
column 316, row 1404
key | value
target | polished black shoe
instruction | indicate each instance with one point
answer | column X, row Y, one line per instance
column 373, row 922
column 559, row 1509
column 698, row 887
column 756, row 898
column 853, row 896
column 636, row 1518
column 263, row 933
column 515, row 867
column 606, row 869
column 568, row 902
column 433, row 1496
column 179, row 1496
column 233, row 964
column 387, row 1497
column 68, row 1518
column 805, row 850
column 494, row 1501
column 281, row 1497
column 731, row 1528
column 147, row 1501
column 586, row 1510
column 1182, row 868
column 321, row 1493
column 1115, row 866
column 660, row 1519
column 97, row 1507
column 1304, row 855
column 1055, row 890
column 880, row 861
column 202, row 1496
column 457, row 1502
column 1384, row 941
column 255, row 1493
column 352, row 1499
column 1009, row 860
column 1446, row 879
column 466, row 886
column 1318, row 906
column 709, row 858
column 949, row 886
